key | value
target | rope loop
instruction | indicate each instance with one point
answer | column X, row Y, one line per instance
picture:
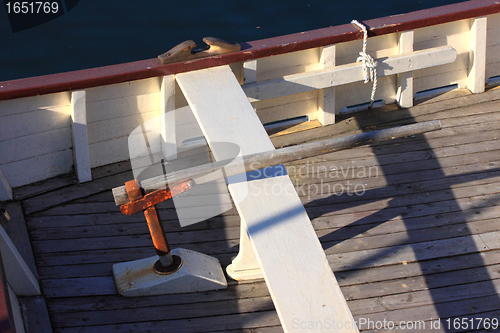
column 369, row 64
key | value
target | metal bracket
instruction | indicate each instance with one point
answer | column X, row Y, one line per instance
column 185, row 51
column 167, row 263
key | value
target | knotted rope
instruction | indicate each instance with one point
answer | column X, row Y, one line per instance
column 369, row 64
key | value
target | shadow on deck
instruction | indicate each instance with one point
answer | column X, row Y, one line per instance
column 410, row 228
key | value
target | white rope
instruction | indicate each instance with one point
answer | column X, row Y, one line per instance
column 369, row 64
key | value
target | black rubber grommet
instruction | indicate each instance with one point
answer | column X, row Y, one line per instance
column 160, row 269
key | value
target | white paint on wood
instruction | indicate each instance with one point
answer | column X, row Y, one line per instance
column 246, row 265
column 306, row 104
column 58, row 102
column 35, row 145
column 492, row 46
column 34, row 122
column 286, row 64
column 405, row 80
column 477, row 55
column 300, row 280
column 38, row 168
column 493, row 37
column 32, row 130
column 340, row 75
column 19, row 275
column 143, row 87
column 114, row 111
column 5, row 189
column 118, row 127
column 326, row 96
column 168, row 121
column 250, row 71
column 113, row 108
column 359, row 92
column 458, row 77
column 80, row 138
column 377, row 47
column 107, row 152
column 17, row 315
column 454, row 34
column 188, row 132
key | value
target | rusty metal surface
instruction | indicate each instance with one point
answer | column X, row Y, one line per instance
column 149, row 200
column 147, row 203
column 156, row 230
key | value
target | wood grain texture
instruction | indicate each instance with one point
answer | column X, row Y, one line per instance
column 81, row 158
column 349, row 73
column 286, row 246
column 477, row 58
column 405, row 250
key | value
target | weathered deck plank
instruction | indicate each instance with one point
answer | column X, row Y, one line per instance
column 417, row 245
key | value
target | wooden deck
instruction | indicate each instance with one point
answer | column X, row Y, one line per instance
column 420, row 239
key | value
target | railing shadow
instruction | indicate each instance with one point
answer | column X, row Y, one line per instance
column 414, row 237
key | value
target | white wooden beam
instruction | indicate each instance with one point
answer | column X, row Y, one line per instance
column 294, row 265
column 81, row 157
column 5, row 189
column 250, row 71
column 344, row 74
column 19, row 275
column 326, row 96
column 405, row 80
column 168, row 124
column 477, row 55
column 246, row 265
column 17, row 316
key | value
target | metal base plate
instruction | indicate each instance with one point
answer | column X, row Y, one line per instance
column 198, row 272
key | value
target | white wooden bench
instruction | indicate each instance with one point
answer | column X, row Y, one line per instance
column 283, row 242
column 277, row 239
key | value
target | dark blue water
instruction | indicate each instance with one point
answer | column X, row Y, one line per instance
column 98, row 33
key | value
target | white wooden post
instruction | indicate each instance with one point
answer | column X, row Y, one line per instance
column 250, row 71
column 5, row 189
column 246, row 265
column 81, row 158
column 405, row 80
column 167, row 109
column 17, row 316
column 477, row 55
column 19, row 275
column 326, row 97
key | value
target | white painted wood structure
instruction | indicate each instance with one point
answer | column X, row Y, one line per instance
column 55, row 133
column 81, row 159
column 5, row 189
column 288, row 251
column 19, row 275
column 349, row 73
column 36, row 133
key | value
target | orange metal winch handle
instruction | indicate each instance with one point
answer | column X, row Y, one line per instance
column 147, row 203
column 151, row 199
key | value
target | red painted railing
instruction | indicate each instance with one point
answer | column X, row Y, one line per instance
column 251, row 50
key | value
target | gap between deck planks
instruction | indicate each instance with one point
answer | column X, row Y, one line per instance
column 71, row 193
column 388, row 278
